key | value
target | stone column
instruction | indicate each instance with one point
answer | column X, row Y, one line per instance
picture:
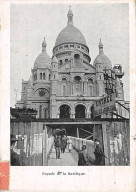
column 88, row 114
column 85, row 88
column 72, row 114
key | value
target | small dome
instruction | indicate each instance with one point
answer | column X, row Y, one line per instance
column 43, row 60
column 54, row 59
column 102, row 59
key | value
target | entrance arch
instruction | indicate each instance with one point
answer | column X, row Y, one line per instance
column 80, row 111
column 64, row 111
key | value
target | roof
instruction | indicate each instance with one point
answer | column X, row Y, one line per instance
column 54, row 59
column 102, row 59
column 42, row 61
column 70, row 34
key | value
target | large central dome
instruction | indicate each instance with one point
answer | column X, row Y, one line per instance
column 70, row 34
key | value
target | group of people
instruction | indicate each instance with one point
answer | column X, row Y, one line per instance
column 99, row 155
column 61, row 143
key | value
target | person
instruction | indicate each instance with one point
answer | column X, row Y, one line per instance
column 57, row 143
column 99, row 155
column 82, row 157
column 14, row 156
column 69, row 142
column 63, row 144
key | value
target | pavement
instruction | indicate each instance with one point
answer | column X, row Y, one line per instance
column 67, row 158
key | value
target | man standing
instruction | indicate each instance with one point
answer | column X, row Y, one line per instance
column 63, row 144
column 98, row 154
column 14, row 156
column 69, row 142
column 57, row 143
column 83, row 157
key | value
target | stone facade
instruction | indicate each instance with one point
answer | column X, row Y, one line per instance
column 66, row 85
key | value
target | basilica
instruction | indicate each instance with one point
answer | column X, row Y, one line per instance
column 67, row 84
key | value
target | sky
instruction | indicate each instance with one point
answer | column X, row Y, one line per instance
column 30, row 23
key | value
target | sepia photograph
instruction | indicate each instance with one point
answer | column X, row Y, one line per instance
column 69, row 84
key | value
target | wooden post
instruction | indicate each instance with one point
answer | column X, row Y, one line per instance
column 45, row 137
column 105, row 143
column 77, row 132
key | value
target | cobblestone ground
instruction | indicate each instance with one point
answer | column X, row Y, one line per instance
column 67, row 158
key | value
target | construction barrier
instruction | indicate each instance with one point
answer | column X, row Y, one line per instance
column 79, row 142
column 33, row 146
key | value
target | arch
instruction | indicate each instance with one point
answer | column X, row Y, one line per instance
column 90, row 81
column 64, row 86
column 76, row 56
column 90, row 90
column 40, row 75
column 77, row 85
column 77, row 79
column 64, row 77
column 76, row 59
column 64, row 111
column 40, row 111
column 44, row 76
column 60, row 62
column 64, row 80
column 66, row 60
column 80, row 111
column 46, row 113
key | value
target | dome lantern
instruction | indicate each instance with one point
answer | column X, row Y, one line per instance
column 100, row 47
column 70, row 16
column 44, row 44
column 102, row 58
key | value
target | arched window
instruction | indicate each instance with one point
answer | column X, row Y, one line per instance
column 54, row 76
column 66, row 60
column 64, row 83
column 77, row 81
column 35, row 76
column 90, row 90
column 90, row 81
column 46, row 113
column 64, row 111
column 90, row 87
column 64, row 80
column 76, row 59
column 40, row 111
column 49, row 76
column 44, row 76
column 80, row 111
column 60, row 62
column 41, row 76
